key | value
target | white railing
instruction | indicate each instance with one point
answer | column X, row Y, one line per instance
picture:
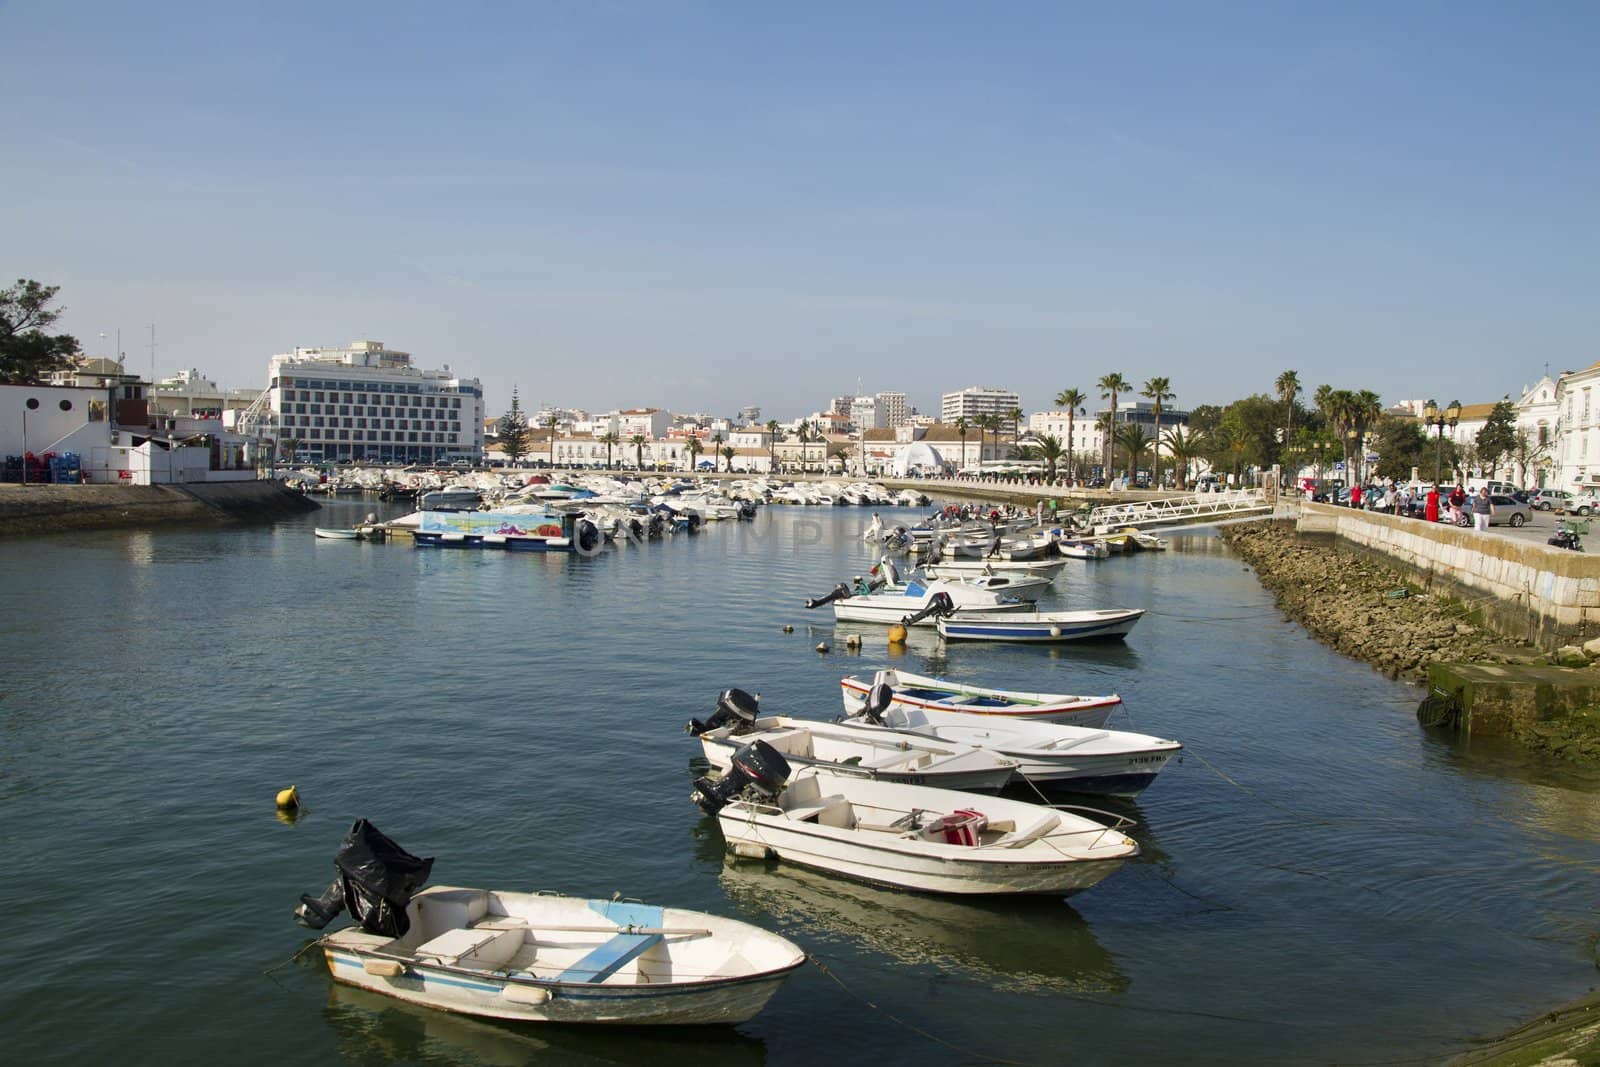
column 1181, row 509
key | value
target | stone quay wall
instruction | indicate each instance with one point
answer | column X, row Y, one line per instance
column 1525, row 590
column 32, row 509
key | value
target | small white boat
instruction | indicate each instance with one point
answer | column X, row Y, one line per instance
column 913, row 599
column 1085, row 550
column 1040, row 568
column 1027, row 587
column 908, row 836
column 1048, row 755
column 1040, row 627
column 997, row 705
column 337, row 535
column 536, row 957
column 858, row 749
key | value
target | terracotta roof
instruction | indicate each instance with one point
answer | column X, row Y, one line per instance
column 879, row 435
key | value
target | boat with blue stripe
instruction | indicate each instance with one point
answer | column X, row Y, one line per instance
column 541, row 957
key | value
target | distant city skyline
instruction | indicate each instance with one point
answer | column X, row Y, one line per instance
column 707, row 207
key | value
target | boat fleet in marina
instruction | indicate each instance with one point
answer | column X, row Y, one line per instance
column 923, row 784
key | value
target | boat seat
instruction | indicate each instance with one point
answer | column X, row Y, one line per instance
column 831, row 810
column 501, row 922
column 1037, row 829
column 606, row 960
column 449, row 947
column 893, row 759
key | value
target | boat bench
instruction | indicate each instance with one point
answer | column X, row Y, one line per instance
column 485, row 948
column 891, row 761
column 605, row 960
column 831, row 810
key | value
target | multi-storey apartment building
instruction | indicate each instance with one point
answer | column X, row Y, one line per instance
column 976, row 401
column 367, row 402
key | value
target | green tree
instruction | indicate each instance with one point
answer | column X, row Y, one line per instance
column 1135, row 443
column 512, row 430
column 1498, row 438
column 772, row 445
column 1527, row 454
column 638, row 442
column 693, row 447
column 1158, row 391
column 994, row 424
column 1401, row 444
column 610, row 439
column 1050, row 450
column 27, row 353
column 1184, row 446
column 716, row 447
column 551, row 422
column 1111, row 385
column 962, row 426
column 1014, row 416
column 1288, row 387
column 727, row 454
column 1072, row 402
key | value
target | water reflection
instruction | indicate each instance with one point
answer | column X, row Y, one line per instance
column 374, row 1029
column 1023, row 945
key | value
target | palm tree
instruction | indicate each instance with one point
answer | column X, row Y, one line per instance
column 1184, row 448
column 1111, row 385
column 608, row 439
column 1106, row 427
column 961, row 428
column 994, row 424
column 693, row 448
column 1015, row 415
column 772, row 445
column 1050, row 451
column 716, row 447
column 551, row 421
column 1158, row 391
column 727, row 454
column 1133, row 440
column 1288, row 386
column 637, row 441
column 1073, row 400
column 804, row 436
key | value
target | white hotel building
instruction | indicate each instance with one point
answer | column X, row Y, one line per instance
column 367, row 402
column 976, row 401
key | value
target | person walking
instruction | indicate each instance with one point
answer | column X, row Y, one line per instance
column 1458, row 501
column 1355, row 496
column 1482, row 509
column 1430, row 505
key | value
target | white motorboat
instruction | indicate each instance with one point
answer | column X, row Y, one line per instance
column 1039, row 627
column 904, row 604
column 336, row 534
column 995, row 705
column 1022, row 586
column 1085, row 549
column 1048, row 755
column 860, row 749
column 536, row 957
column 908, row 836
column 950, row 568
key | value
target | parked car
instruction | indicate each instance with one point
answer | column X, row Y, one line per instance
column 1583, row 504
column 1508, row 511
column 1548, row 499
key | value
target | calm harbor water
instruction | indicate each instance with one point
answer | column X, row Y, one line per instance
column 1322, row 880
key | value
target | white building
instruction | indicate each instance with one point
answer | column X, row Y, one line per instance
column 894, row 408
column 1085, row 437
column 866, row 413
column 976, row 401
column 1577, row 460
column 1538, row 416
column 367, row 402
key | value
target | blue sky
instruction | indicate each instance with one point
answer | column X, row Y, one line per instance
column 704, row 206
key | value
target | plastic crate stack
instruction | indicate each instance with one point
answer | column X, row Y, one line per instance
column 65, row 469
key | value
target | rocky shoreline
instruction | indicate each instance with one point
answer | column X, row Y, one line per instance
column 1363, row 608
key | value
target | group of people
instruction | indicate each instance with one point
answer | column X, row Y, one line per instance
column 1438, row 504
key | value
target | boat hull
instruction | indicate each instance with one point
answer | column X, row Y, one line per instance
column 1054, row 629
column 990, row 704
column 735, row 1001
column 855, row 610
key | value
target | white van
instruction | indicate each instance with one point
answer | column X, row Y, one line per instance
column 1496, row 488
column 1208, row 482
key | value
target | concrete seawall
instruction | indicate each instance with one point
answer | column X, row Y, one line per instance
column 1524, row 590
column 35, row 509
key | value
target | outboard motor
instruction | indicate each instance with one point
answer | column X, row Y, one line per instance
column 588, row 535
column 376, row 880
column 1565, row 538
column 879, row 697
column 941, row 604
column 759, row 771
column 735, row 708
column 840, row 592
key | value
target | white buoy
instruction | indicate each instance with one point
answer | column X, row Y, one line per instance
column 822, row 646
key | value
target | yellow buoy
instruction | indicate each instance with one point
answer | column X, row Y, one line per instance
column 289, row 798
column 897, row 634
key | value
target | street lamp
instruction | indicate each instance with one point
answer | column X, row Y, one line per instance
column 1433, row 416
